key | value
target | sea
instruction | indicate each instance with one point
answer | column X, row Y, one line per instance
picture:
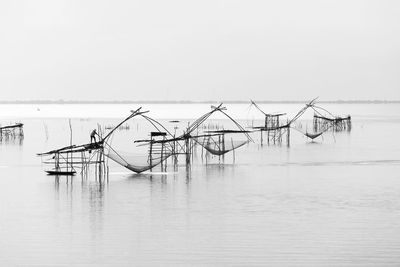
column 334, row 201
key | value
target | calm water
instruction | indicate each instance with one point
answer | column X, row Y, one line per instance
column 335, row 202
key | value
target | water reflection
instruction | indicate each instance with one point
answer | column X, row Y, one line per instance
column 67, row 180
column 314, row 142
column 84, row 195
column 12, row 140
column 188, row 173
column 100, row 182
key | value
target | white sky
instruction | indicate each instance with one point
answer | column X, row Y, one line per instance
column 199, row 50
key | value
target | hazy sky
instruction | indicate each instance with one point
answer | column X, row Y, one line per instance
column 199, row 50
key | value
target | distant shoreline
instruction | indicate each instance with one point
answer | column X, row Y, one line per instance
column 199, row 102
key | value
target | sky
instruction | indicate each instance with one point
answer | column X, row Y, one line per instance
column 199, row 50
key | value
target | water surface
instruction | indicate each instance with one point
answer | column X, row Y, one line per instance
column 335, row 202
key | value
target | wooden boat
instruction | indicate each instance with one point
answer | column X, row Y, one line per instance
column 67, row 173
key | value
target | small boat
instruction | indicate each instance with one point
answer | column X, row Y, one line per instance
column 55, row 172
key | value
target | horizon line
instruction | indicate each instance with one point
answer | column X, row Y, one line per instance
column 61, row 101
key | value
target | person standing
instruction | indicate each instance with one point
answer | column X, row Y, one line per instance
column 93, row 136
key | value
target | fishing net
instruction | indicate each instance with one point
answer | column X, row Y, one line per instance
column 218, row 146
column 313, row 136
column 136, row 162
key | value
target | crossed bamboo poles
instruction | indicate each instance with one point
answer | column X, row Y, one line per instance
column 285, row 127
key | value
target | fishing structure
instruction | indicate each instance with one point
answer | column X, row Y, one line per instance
column 12, row 131
column 156, row 152
column 66, row 160
column 335, row 123
column 275, row 131
column 328, row 121
column 162, row 144
column 216, row 142
column 272, row 126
